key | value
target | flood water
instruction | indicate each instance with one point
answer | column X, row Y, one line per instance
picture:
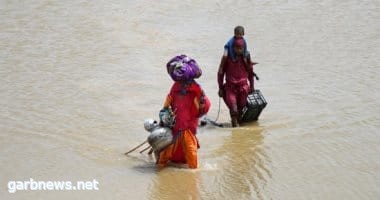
column 77, row 79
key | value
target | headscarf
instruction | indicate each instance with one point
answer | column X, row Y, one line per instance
column 239, row 42
column 229, row 46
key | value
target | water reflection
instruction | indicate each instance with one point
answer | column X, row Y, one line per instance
column 241, row 170
column 173, row 183
column 245, row 168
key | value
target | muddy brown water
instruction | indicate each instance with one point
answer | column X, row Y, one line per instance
column 77, row 79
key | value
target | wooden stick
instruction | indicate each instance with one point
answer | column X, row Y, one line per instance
column 136, row 147
column 145, row 149
column 150, row 151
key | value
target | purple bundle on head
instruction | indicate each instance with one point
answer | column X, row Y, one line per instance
column 183, row 68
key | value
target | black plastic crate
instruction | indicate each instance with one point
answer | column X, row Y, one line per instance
column 255, row 104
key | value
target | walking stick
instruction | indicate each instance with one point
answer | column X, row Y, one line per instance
column 136, row 147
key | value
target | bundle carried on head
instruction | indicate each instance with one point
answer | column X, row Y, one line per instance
column 183, row 68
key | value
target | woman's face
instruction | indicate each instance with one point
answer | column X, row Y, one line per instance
column 239, row 50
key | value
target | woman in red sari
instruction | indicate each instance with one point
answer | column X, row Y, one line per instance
column 238, row 74
column 188, row 101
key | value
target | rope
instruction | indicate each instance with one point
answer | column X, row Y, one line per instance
column 217, row 116
column 213, row 122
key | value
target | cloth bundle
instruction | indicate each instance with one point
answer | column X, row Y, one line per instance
column 183, row 68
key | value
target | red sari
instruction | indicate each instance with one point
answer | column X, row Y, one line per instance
column 189, row 102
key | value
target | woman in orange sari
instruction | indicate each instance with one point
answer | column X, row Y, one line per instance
column 188, row 101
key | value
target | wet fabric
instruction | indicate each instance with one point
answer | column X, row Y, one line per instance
column 236, row 96
column 236, row 89
column 183, row 150
column 236, row 72
column 185, row 100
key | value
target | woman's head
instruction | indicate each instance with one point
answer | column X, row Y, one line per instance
column 239, row 46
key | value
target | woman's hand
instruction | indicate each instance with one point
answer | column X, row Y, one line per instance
column 221, row 92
